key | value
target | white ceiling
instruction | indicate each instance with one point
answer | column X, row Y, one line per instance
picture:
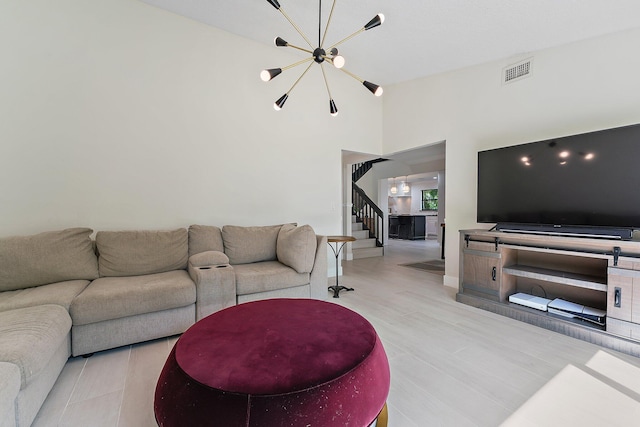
column 419, row 37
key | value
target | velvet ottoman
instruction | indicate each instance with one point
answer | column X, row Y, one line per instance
column 279, row 362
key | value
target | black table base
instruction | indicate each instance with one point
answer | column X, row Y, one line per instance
column 337, row 288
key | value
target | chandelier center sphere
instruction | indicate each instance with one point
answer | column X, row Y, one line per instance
column 318, row 55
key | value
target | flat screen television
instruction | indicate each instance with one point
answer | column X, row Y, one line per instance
column 587, row 184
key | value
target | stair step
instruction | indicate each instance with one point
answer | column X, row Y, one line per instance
column 363, row 243
column 356, row 226
column 360, row 234
column 367, row 253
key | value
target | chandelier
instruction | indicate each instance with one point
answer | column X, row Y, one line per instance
column 319, row 55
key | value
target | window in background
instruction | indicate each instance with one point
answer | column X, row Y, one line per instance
column 429, row 200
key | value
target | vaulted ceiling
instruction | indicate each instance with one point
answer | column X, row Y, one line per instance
column 419, row 37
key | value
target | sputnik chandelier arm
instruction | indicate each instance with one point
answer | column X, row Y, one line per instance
column 319, row 55
column 275, row 4
column 326, row 29
column 373, row 88
column 333, row 110
column 375, row 22
column 280, row 42
column 267, row 75
column 280, row 102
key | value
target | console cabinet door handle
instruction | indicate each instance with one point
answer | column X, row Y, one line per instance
column 493, row 274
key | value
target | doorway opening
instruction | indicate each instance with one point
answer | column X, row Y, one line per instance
column 409, row 187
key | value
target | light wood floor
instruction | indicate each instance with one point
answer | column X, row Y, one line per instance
column 451, row 364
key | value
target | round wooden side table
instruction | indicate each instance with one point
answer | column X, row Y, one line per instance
column 339, row 241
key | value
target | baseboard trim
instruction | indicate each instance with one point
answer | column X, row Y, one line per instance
column 451, row 281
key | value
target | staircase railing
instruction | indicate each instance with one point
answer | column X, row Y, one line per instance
column 359, row 169
column 367, row 212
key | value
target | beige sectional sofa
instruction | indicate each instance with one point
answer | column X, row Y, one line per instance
column 63, row 293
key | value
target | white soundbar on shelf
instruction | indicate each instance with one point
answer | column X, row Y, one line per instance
column 531, row 301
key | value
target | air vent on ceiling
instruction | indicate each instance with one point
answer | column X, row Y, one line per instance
column 517, row 71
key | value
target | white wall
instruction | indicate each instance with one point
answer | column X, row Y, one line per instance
column 118, row 115
column 400, row 205
column 575, row 88
column 115, row 114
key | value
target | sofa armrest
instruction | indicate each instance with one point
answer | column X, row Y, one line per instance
column 209, row 259
column 215, row 282
column 319, row 274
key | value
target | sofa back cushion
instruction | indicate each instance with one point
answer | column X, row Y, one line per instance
column 296, row 247
column 244, row 245
column 40, row 259
column 134, row 253
column 204, row 238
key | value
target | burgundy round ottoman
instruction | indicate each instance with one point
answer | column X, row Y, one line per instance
column 278, row 362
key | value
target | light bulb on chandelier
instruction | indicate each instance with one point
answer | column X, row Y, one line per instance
column 333, row 110
column 267, row 75
column 337, row 59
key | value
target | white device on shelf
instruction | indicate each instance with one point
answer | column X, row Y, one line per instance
column 527, row 300
column 569, row 309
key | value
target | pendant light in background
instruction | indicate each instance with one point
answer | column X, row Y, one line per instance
column 394, row 188
column 405, row 185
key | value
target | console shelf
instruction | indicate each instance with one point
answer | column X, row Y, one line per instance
column 562, row 277
column 597, row 273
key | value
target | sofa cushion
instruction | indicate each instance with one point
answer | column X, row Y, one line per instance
column 266, row 276
column 134, row 253
column 54, row 256
column 9, row 389
column 204, row 238
column 244, row 245
column 115, row 297
column 29, row 337
column 61, row 293
column 296, row 247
